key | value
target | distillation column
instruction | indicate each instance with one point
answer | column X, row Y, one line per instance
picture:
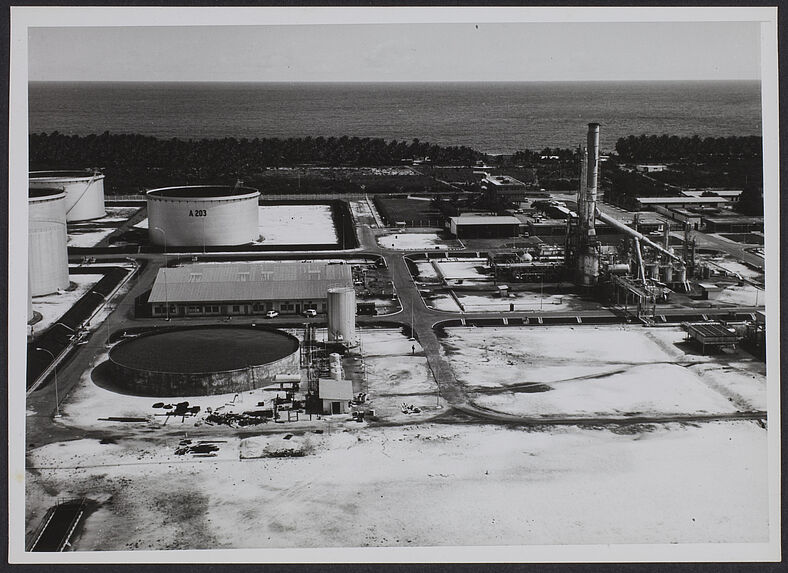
column 588, row 253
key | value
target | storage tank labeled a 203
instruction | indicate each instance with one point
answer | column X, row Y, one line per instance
column 47, row 240
column 342, row 314
column 84, row 191
column 203, row 216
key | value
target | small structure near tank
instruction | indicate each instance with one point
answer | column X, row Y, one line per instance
column 335, row 395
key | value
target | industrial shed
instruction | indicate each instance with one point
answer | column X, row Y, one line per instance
column 478, row 226
column 230, row 289
column 713, row 334
column 733, row 224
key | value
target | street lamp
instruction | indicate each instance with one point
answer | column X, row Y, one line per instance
column 54, row 371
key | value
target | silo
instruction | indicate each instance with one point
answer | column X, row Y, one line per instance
column 203, row 216
column 84, row 191
column 667, row 273
column 47, row 238
column 342, row 314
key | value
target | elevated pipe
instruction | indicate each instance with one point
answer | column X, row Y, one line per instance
column 633, row 233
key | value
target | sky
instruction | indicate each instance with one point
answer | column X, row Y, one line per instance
column 399, row 52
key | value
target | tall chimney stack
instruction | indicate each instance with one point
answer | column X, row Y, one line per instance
column 592, row 176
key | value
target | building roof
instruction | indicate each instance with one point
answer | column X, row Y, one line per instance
column 485, row 220
column 269, row 280
column 711, row 332
column 720, row 192
column 733, row 219
column 502, row 180
column 681, row 200
column 329, row 389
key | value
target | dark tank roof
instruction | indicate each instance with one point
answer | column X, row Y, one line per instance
column 65, row 174
column 202, row 191
column 38, row 192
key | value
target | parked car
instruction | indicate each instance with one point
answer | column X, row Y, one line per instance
column 271, row 314
column 310, row 312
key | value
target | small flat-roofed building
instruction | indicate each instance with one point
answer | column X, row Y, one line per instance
column 229, row 289
column 710, row 291
column 711, row 333
column 503, row 187
column 651, row 202
column 733, row 224
column 681, row 215
column 479, row 226
column 335, row 395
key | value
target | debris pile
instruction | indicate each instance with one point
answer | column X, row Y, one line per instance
column 409, row 409
column 202, row 449
column 235, row 420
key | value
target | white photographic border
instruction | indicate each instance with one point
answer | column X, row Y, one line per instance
column 24, row 17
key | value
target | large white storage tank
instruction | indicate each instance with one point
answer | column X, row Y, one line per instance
column 342, row 314
column 47, row 240
column 203, row 216
column 84, row 191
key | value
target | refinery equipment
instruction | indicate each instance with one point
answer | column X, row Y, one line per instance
column 203, row 216
column 47, row 240
column 341, row 311
column 646, row 278
column 84, row 191
column 585, row 248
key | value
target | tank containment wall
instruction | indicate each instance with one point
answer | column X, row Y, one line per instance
column 342, row 314
column 197, row 216
column 47, row 240
column 84, row 191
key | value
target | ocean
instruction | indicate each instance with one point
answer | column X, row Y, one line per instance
column 489, row 117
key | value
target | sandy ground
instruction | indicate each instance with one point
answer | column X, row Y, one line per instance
column 591, row 370
column 77, row 238
column 296, row 225
column 737, row 267
column 397, row 372
column 415, row 241
column 117, row 214
column 746, row 295
column 463, row 269
column 522, row 301
column 417, row 486
column 53, row 306
column 426, row 270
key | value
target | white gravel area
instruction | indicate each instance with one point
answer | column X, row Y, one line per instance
column 414, row 242
column 88, row 238
column 595, row 370
column 296, row 225
column 53, row 306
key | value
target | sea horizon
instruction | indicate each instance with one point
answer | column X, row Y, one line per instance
column 491, row 117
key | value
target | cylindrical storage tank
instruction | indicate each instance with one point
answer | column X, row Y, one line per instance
column 667, row 274
column 682, row 272
column 47, row 239
column 618, row 269
column 652, row 270
column 342, row 314
column 30, row 314
column 203, row 216
column 84, row 191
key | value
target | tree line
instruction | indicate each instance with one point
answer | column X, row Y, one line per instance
column 674, row 148
column 141, row 161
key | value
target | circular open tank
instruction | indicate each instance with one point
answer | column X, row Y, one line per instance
column 202, row 360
